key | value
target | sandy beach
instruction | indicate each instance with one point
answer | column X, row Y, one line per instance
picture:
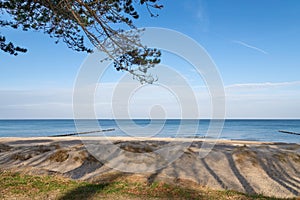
column 271, row 169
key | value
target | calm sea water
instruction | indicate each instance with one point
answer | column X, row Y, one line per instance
column 255, row 130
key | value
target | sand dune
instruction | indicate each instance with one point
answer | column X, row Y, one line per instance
column 271, row 169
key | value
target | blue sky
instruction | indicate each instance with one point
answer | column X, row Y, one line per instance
column 254, row 43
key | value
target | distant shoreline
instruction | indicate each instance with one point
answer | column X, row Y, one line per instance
column 227, row 119
column 128, row 138
column 120, row 138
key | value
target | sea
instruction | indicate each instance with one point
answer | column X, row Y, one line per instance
column 233, row 129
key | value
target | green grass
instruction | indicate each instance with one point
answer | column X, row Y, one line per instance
column 22, row 186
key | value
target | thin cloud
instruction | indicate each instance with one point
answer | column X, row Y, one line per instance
column 262, row 85
column 250, row 46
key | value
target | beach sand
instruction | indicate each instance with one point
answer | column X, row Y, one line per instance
column 272, row 169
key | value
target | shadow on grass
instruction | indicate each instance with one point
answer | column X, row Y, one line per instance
column 84, row 192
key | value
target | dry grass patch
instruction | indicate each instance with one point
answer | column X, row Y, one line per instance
column 244, row 154
column 136, row 147
column 4, row 147
column 21, row 156
column 59, row 156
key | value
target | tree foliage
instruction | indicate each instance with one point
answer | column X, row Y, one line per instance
column 9, row 47
column 71, row 21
